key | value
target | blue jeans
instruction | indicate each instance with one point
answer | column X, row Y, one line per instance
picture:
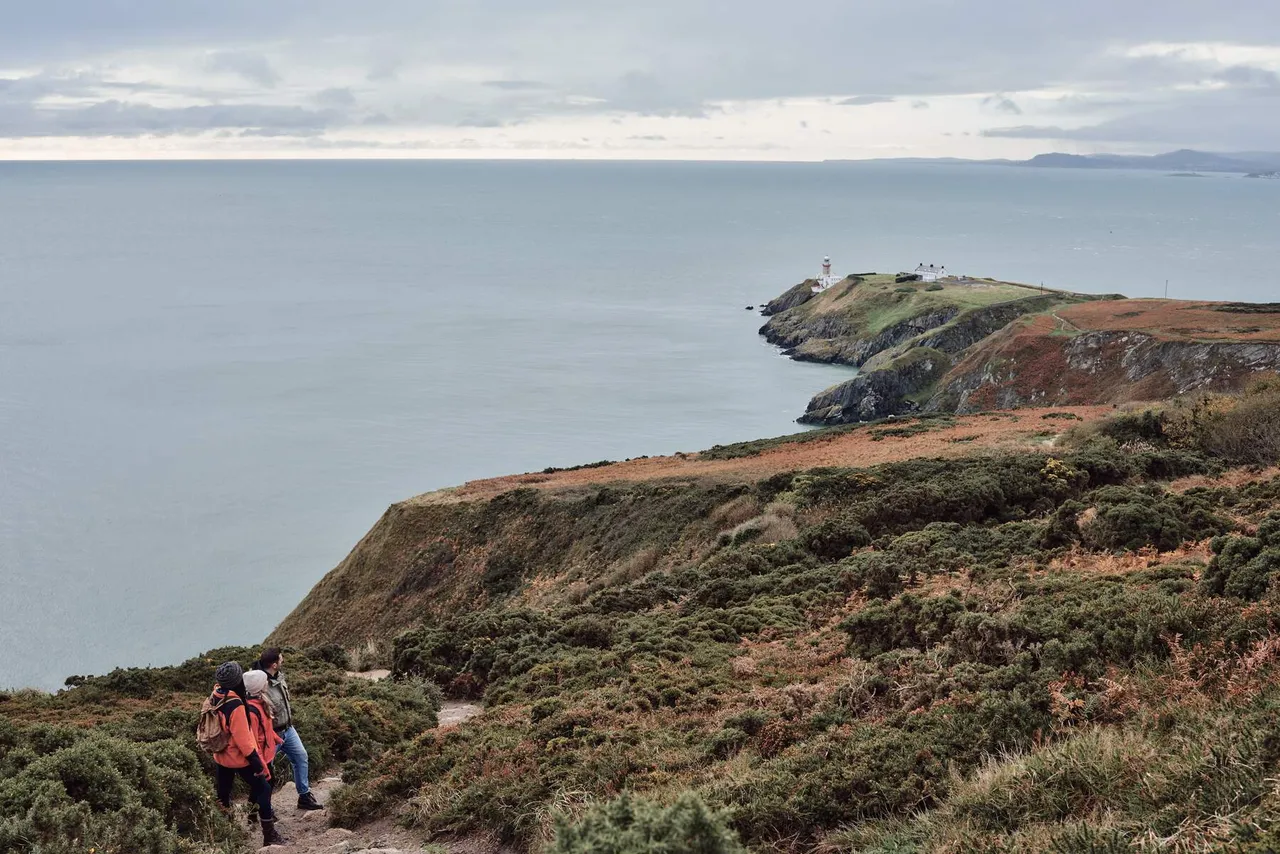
column 297, row 753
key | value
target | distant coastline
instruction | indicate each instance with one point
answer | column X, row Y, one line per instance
column 1255, row 164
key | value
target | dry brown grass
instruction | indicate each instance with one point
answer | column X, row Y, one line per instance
column 1016, row 430
column 1233, row 478
column 1174, row 319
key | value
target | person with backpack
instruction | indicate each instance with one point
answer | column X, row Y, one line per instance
column 270, row 662
column 226, row 729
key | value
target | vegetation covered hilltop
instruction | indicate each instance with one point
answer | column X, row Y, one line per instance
column 964, row 345
column 1047, row 629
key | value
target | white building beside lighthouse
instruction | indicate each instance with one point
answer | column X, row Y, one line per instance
column 826, row 280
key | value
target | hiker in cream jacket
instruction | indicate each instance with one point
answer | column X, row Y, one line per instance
column 270, row 662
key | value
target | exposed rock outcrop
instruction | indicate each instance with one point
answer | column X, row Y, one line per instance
column 1096, row 367
column 964, row 348
column 797, row 295
column 833, row 339
column 879, row 393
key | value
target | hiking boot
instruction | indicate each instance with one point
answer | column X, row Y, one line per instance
column 253, row 817
column 269, row 834
column 308, row 802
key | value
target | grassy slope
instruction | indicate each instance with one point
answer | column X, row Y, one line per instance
column 1013, row 651
column 877, row 303
column 441, row 552
column 827, row 671
column 855, row 645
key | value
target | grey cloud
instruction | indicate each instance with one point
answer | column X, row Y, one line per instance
column 1030, row 132
column 919, row 105
column 384, row 68
column 32, row 88
column 118, row 118
column 646, row 95
column 865, row 101
column 1233, row 120
column 1076, row 104
column 1249, row 77
column 338, row 98
column 1000, row 103
column 250, row 65
column 515, row 85
column 662, row 58
column 480, row 122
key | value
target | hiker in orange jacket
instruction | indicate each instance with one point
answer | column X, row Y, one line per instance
column 261, row 724
column 243, row 756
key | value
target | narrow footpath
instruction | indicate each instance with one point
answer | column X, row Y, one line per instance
column 309, row 832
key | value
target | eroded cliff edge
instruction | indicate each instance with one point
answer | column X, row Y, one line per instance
column 964, row 345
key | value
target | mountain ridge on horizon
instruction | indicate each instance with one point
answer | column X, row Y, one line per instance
column 1185, row 159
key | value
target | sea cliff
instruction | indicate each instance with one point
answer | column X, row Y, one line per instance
column 963, row 345
column 917, row 634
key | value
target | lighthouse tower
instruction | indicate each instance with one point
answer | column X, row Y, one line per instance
column 826, row 280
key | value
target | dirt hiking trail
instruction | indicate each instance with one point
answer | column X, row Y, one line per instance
column 310, row 833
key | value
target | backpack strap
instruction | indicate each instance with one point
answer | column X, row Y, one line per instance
column 228, row 705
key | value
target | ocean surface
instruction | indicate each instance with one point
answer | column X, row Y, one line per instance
column 214, row 377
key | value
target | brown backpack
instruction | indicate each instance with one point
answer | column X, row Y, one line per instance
column 211, row 735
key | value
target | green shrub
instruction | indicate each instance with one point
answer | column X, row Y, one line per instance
column 835, row 538
column 1245, row 566
column 105, row 792
column 934, row 287
column 1132, row 518
column 1146, row 426
column 630, row 825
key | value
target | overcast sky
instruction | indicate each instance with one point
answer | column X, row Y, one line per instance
column 708, row 79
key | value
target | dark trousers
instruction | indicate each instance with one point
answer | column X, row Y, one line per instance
column 259, row 789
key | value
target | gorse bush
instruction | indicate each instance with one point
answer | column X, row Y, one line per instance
column 930, row 580
column 635, row 826
column 1006, row 652
column 120, row 772
column 1244, row 566
column 71, row 791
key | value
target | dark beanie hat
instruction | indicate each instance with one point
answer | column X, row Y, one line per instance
column 228, row 674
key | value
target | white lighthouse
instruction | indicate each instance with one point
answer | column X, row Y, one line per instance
column 826, row 280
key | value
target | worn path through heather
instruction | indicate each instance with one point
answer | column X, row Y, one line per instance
column 310, row 833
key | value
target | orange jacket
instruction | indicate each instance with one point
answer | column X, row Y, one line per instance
column 264, row 734
column 242, row 749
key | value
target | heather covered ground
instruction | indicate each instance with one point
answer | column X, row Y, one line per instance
column 1070, row 642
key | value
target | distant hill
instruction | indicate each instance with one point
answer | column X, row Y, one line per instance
column 1184, row 160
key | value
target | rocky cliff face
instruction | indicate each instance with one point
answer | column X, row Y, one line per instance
column 797, row 295
column 836, row 340
column 900, row 363
column 1096, row 367
column 879, row 393
column 1042, row 349
column 972, row 326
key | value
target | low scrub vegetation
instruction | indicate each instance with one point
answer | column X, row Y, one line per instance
column 929, row 624
column 1011, row 652
column 110, row 764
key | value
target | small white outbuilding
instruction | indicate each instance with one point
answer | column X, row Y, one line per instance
column 930, row 273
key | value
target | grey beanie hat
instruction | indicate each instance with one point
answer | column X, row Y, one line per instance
column 228, row 674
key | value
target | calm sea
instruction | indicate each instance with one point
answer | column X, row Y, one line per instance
column 215, row 376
